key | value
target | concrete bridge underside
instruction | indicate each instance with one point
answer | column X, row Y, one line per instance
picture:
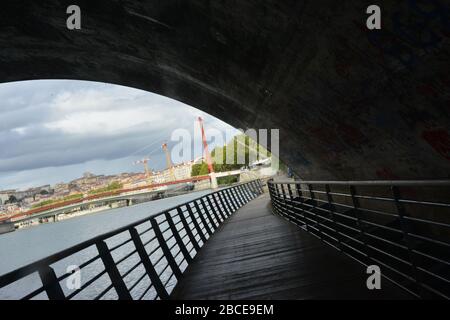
column 350, row 103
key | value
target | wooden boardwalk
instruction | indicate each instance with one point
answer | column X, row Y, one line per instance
column 256, row 255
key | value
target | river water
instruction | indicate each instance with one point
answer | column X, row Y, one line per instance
column 27, row 245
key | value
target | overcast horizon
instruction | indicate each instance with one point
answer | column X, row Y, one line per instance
column 53, row 131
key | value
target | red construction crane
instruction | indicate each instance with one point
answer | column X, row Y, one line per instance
column 205, row 147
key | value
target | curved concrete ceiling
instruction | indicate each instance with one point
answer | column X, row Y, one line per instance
column 350, row 103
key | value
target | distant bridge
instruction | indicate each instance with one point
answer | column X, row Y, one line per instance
column 106, row 197
column 129, row 195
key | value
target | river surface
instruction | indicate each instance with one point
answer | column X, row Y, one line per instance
column 24, row 246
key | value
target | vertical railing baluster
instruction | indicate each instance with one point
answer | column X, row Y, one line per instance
column 251, row 186
column 290, row 192
column 219, row 209
column 51, row 284
column 213, row 211
column 293, row 205
column 227, row 202
column 246, row 193
column 149, row 268
column 408, row 240
column 202, row 217
column 113, row 272
column 188, row 229
column 227, row 210
column 314, row 204
column 195, row 222
column 298, row 187
column 231, row 200
column 360, row 223
column 275, row 199
column 283, row 192
column 277, row 190
column 260, row 186
column 240, row 195
column 332, row 209
column 208, row 214
column 236, row 197
column 165, row 249
column 177, row 237
column 250, row 191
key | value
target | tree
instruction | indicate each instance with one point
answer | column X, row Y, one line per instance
column 12, row 199
column 199, row 169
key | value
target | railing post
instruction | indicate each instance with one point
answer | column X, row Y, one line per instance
column 208, row 214
column 274, row 196
column 246, row 192
column 151, row 272
column 165, row 249
column 238, row 196
column 221, row 211
column 188, row 229
column 239, row 193
column 213, row 211
column 403, row 225
column 230, row 199
column 51, row 284
column 356, row 205
column 195, row 222
column 298, row 186
column 226, row 210
column 252, row 188
column 297, row 208
column 205, row 223
column 333, row 216
column 242, row 194
column 277, row 190
column 260, row 186
column 314, row 204
column 227, row 203
column 177, row 237
column 290, row 192
column 113, row 272
column 283, row 192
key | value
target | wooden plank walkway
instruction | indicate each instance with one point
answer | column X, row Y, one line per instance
column 256, row 255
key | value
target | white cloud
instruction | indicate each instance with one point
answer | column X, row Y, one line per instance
column 53, row 130
column 111, row 122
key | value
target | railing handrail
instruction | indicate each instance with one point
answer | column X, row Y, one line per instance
column 28, row 269
column 399, row 183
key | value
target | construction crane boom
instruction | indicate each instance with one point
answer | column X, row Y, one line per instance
column 169, row 161
column 145, row 163
column 205, row 147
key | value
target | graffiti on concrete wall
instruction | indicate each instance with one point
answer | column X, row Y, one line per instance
column 439, row 140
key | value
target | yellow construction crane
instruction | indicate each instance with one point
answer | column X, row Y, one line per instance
column 169, row 162
column 145, row 163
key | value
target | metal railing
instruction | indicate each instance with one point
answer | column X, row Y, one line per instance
column 143, row 260
column 401, row 226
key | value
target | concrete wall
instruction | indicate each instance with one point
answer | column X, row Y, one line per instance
column 350, row 103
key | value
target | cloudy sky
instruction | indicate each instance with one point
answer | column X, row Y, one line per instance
column 55, row 130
